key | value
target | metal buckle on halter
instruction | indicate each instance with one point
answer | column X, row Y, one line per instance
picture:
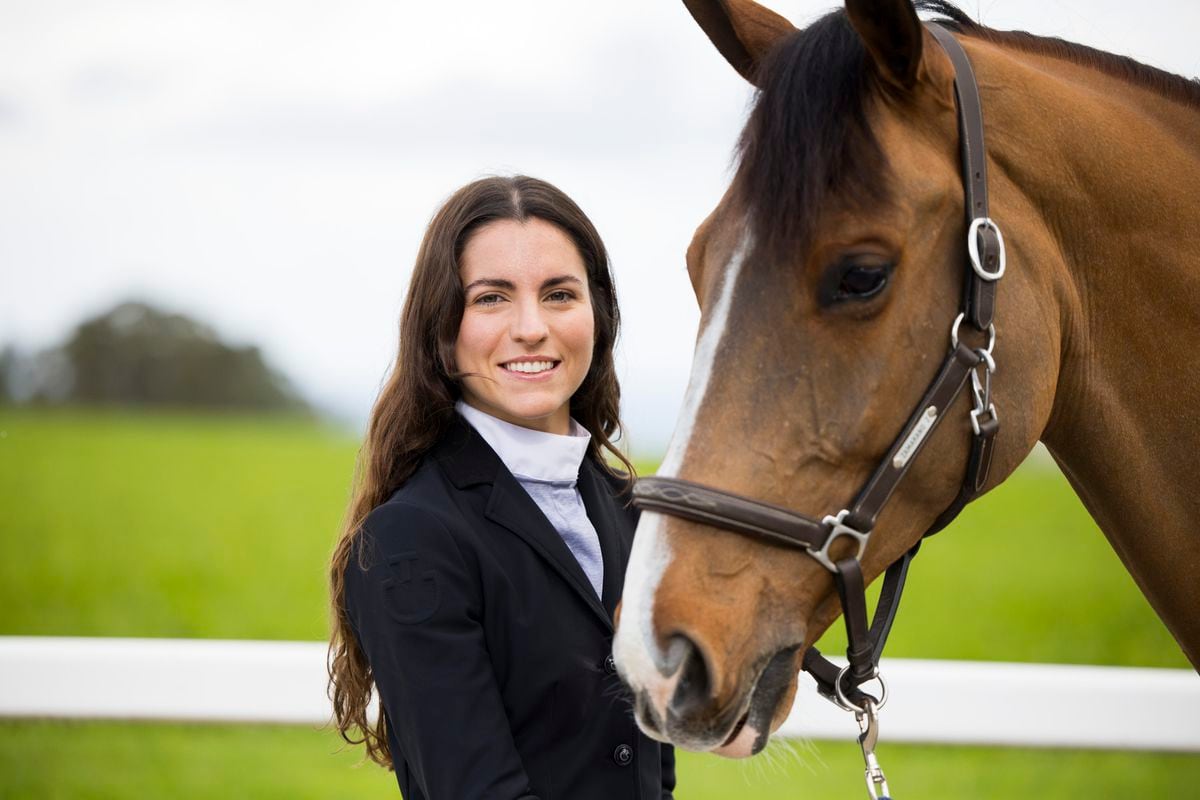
column 973, row 248
column 838, row 529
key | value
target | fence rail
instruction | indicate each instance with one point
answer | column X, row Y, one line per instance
column 951, row 702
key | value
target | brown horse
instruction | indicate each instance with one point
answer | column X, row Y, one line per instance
column 828, row 277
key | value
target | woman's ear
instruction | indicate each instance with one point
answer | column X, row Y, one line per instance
column 742, row 30
column 892, row 34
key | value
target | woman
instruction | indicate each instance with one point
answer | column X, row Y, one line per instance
column 475, row 581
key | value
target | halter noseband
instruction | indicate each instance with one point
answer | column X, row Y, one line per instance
column 984, row 265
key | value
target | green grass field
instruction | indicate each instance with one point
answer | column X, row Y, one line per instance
column 118, row 524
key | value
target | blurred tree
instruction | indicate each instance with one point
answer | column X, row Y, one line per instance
column 135, row 354
column 8, row 358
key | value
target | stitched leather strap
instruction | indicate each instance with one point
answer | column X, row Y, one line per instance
column 754, row 518
column 825, row 672
column 732, row 512
column 979, row 295
column 937, row 400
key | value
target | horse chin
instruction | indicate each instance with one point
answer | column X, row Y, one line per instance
column 741, row 744
column 769, row 705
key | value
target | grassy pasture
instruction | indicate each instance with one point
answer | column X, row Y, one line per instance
column 170, row 525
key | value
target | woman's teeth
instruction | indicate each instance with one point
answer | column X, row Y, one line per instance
column 529, row 366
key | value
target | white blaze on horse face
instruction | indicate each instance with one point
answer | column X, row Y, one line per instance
column 635, row 647
column 702, row 363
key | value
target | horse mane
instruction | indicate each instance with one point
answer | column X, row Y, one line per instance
column 809, row 132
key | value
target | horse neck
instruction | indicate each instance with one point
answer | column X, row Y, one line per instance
column 1111, row 171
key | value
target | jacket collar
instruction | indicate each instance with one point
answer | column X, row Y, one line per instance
column 531, row 454
column 468, row 461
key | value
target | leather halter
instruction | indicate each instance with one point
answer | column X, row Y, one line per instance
column 984, row 265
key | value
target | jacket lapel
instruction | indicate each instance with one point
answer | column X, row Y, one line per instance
column 612, row 527
column 467, row 459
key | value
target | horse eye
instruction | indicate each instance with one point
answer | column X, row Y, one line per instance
column 862, row 282
column 853, row 278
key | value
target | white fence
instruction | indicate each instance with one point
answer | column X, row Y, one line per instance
column 952, row 702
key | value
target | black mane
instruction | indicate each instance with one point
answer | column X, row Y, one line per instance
column 809, row 133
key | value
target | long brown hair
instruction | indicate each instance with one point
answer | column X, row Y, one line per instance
column 416, row 405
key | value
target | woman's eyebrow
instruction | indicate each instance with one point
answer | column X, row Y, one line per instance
column 546, row 284
column 495, row 283
column 501, row 283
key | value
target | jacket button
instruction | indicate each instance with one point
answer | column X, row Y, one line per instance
column 623, row 755
column 610, row 664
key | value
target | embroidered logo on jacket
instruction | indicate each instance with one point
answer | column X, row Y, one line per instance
column 412, row 590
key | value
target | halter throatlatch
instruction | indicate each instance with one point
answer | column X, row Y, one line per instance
column 983, row 267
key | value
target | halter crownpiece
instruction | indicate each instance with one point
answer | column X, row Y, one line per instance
column 984, row 265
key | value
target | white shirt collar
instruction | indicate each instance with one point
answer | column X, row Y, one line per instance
column 528, row 453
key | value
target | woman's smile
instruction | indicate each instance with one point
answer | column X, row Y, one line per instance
column 531, row 368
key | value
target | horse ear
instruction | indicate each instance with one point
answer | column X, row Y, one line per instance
column 892, row 34
column 743, row 31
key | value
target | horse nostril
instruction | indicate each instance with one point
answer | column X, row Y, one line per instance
column 693, row 687
column 678, row 650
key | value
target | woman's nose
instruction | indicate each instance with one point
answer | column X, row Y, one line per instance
column 529, row 325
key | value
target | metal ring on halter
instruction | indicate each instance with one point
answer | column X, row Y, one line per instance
column 991, row 331
column 973, row 248
column 844, row 702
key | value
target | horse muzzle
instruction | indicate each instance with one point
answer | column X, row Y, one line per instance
column 681, row 707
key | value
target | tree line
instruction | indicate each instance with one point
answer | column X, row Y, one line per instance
column 137, row 355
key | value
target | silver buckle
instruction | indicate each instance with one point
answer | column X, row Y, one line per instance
column 838, row 530
column 973, row 248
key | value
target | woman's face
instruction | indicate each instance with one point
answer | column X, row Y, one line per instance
column 527, row 329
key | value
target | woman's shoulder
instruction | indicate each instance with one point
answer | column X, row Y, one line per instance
column 423, row 503
column 405, row 529
column 413, row 535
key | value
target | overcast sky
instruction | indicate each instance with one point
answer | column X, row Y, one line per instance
column 270, row 166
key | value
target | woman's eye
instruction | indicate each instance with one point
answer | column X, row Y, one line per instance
column 560, row 296
column 488, row 299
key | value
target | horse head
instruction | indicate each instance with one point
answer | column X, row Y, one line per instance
column 828, row 278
